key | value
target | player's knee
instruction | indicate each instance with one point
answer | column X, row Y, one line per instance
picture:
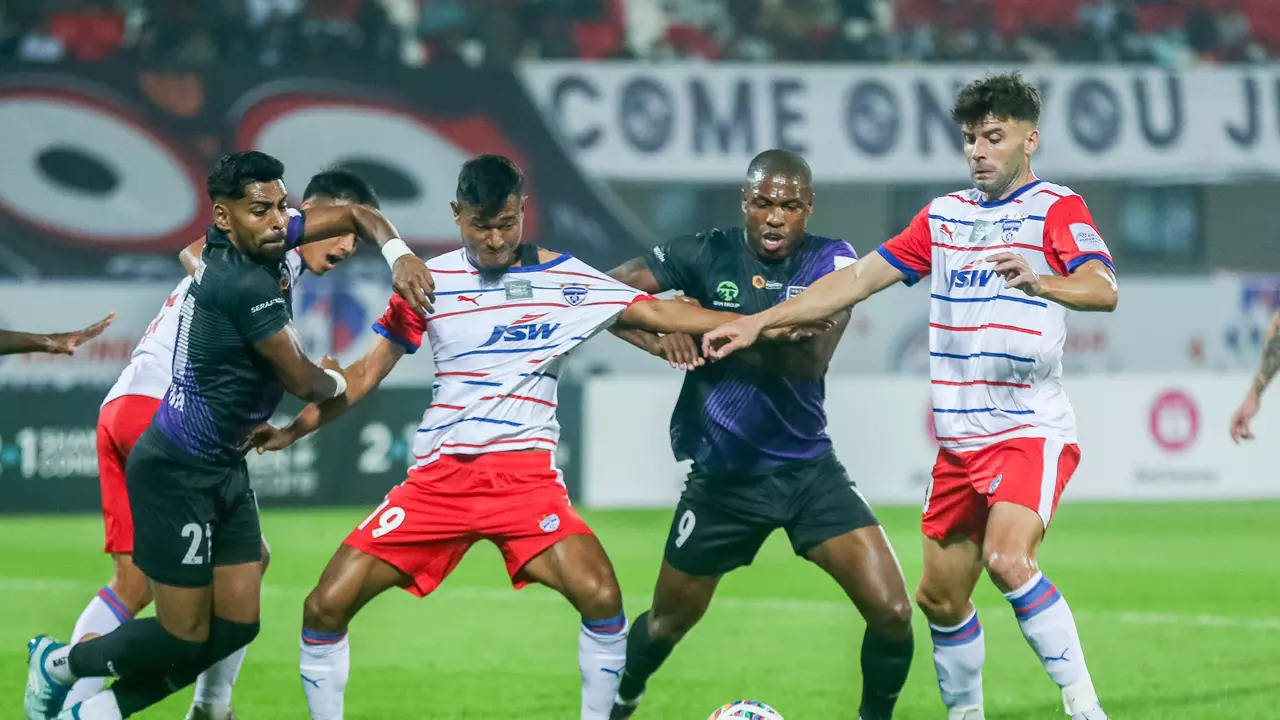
column 600, row 598
column 940, row 608
column 1008, row 570
column 266, row 558
column 324, row 610
column 130, row 585
column 891, row 619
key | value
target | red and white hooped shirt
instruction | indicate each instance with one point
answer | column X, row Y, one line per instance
column 995, row 353
column 498, row 343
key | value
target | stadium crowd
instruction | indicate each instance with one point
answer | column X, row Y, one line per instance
column 1174, row 33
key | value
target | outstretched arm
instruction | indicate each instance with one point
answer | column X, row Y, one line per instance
column 63, row 343
column 672, row 316
column 636, row 273
column 409, row 275
column 362, row 376
column 1240, row 429
column 832, row 293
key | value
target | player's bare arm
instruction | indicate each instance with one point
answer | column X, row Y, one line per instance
column 1244, row 414
column 1092, row 287
column 300, row 376
column 832, row 293
column 410, row 277
column 678, row 349
column 672, row 316
column 190, row 256
column 362, row 376
column 64, row 343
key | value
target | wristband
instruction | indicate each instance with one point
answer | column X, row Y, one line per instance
column 393, row 250
column 339, row 379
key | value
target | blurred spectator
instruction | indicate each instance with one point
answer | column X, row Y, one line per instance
column 92, row 32
column 501, row 32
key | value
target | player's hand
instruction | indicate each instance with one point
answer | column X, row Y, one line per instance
column 1017, row 272
column 680, row 351
column 412, row 281
column 1243, row 416
column 329, row 363
column 266, row 437
column 67, row 342
column 731, row 337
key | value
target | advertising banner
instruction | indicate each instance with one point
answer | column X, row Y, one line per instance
column 876, row 123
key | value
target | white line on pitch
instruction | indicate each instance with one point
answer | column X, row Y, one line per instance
column 771, row 604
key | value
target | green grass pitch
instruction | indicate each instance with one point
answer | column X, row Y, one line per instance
column 1176, row 603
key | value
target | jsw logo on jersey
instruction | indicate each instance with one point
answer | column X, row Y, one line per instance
column 971, row 278
column 515, row 333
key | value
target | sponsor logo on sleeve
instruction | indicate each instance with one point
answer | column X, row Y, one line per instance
column 1087, row 239
column 267, row 304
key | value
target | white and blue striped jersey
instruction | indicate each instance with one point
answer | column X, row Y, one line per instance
column 498, row 342
column 995, row 352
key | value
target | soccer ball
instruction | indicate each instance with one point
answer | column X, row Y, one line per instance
column 745, row 710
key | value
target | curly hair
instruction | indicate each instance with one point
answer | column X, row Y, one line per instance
column 1002, row 96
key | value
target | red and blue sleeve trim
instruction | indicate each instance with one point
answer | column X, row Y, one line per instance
column 382, row 330
column 913, row 276
column 1079, row 260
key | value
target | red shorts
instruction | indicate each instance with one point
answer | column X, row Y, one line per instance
column 427, row 523
column 120, row 424
column 1031, row 472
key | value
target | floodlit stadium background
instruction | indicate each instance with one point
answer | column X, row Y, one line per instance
column 634, row 121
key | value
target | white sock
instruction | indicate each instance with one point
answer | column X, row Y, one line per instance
column 104, row 613
column 213, row 687
column 100, row 707
column 1050, row 629
column 958, row 655
column 325, row 664
column 602, row 653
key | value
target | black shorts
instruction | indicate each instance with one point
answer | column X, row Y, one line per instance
column 721, row 521
column 188, row 515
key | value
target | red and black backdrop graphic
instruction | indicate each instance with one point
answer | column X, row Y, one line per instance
column 105, row 165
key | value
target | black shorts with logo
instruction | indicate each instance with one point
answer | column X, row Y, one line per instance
column 721, row 521
column 189, row 515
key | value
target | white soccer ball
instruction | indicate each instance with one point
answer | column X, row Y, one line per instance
column 745, row 710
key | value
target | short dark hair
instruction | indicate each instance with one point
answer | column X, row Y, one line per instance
column 1004, row 96
column 779, row 162
column 235, row 170
column 486, row 181
column 340, row 184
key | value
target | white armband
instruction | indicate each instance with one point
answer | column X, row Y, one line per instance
column 339, row 379
column 393, row 250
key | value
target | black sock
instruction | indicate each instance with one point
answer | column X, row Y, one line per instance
column 136, row 647
column 645, row 654
column 140, row 691
column 885, row 664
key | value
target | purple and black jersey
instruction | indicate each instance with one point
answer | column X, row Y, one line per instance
column 737, row 416
column 221, row 386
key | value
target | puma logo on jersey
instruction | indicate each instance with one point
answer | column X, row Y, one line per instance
column 516, row 333
column 474, row 300
column 943, row 227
